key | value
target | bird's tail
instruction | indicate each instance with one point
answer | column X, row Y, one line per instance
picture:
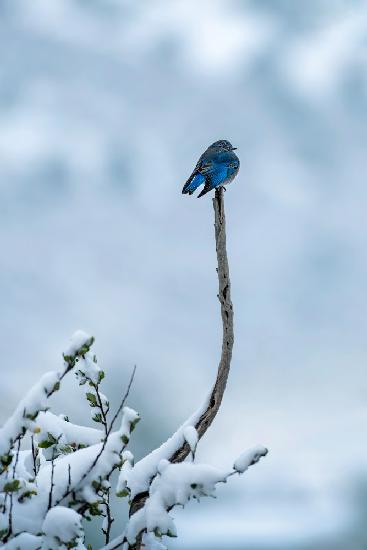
column 207, row 188
column 194, row 181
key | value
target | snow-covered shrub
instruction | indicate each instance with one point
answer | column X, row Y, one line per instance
column 54, row 474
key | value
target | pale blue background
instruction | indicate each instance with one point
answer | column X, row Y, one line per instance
column 104, row 109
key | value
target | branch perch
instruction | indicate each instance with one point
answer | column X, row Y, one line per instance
column 224, row 296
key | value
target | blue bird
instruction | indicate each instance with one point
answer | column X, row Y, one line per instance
column 217, row 166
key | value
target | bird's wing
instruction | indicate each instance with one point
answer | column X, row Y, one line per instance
column 206, row 167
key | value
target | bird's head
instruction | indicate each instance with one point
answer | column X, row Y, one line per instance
column 223, row 144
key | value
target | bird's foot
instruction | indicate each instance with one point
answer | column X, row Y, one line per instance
column 224, row 188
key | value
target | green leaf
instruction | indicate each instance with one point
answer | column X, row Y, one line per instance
column 123, row 493
column 71, row 544
column 45, row 444
column 3, row 532
column 97, row 417
column 26, row 494
column 91, row 397
column 11, row 486
column 125, row 439
column 31, row 416
column 66, row 449
column 6, row 459
column 51, row 440
column 94, row 509
column 85, row 347
column 134, row 423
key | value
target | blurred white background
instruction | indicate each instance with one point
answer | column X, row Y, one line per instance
column 105, row 107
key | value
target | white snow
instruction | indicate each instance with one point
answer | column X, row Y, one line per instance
column 28, row 515
column 36, row 399
column 24, row 541
column 31, row 404
column 249, row 457
column 139, row 477
column 175, row 484
column 191, row 437
column 78, row 340
column 70, row 433
column 88, row 368
column 62, row 527
column 151, row 542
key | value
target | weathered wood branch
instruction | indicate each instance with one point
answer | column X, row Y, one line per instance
column 224, row 296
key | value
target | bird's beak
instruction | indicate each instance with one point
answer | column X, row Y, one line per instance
column 234, row 148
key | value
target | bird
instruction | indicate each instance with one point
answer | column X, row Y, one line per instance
column 216, row 167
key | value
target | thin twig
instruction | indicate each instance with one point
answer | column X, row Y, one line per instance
column 52, row 480
column 123, row 400
column 69, row 477
column 110, row 519
column 34, row 457
column 103, row 412
column 224, row 296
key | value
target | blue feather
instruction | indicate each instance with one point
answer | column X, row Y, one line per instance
column 193, row 183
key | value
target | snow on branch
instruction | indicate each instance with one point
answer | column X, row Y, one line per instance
column 138, row 479
column 25, row 414
column 175, row 485
column 47, row 490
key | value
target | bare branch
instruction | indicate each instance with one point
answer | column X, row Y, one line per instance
column 224, row 296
